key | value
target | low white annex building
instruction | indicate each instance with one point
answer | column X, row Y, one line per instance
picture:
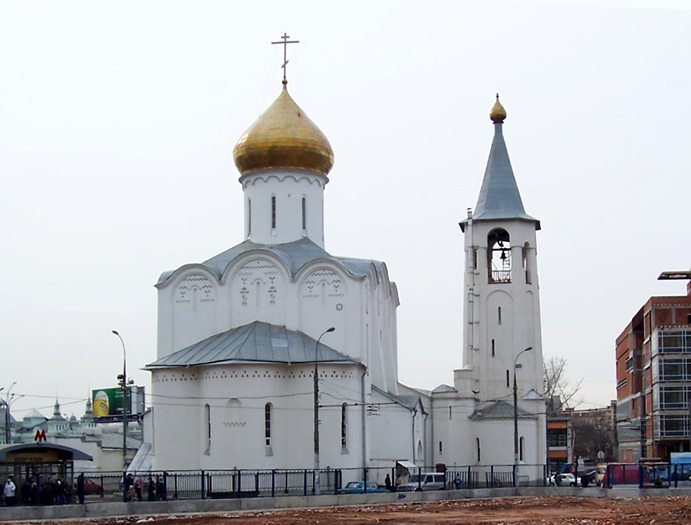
column 233, row 382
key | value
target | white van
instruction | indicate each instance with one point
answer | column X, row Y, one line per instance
column 423, row 481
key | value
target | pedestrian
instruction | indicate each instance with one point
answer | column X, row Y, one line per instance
column 8, row 491
column 129, row 487
column 161, row 489
column 457, row 481
column 59, row 492
column 152, row 489
column 26, row 491
column 80, row 488
column 138, row 487
column 387, row 482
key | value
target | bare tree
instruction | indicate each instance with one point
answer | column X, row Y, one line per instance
column 557, row 386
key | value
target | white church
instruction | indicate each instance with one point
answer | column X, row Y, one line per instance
column 241, row 334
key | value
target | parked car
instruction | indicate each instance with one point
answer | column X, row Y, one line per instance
column 423, row 481
column 563, row 479
column 358, row 487
column 90, row 487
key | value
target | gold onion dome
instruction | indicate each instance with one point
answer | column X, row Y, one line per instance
column 497, row 113
column 283, row 137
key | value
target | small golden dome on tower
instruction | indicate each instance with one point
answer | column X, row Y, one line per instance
column 497, row 113
column 283, row 137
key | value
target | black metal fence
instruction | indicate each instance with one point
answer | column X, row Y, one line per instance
column 242, row 483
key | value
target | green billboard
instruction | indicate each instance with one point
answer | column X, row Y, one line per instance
column 109, row 401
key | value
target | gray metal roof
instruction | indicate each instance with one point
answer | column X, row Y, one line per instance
column 256, row 342
column 498, row 410
column 408, row 401
column 499, row 196
column 294, row 254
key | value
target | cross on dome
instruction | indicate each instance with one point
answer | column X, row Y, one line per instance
column 285, row 43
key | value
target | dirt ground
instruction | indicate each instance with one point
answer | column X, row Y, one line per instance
column 542, row 510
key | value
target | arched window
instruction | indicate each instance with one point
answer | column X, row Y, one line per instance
column 267, row 424
column 344, row 425
column 521, row 442
column 499, row 256
column 273, row 212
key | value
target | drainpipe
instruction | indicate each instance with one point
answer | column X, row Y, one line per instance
column 364, row 421
column 413, row 432
column 425, row 433
column 431, row 431
column 470, row 257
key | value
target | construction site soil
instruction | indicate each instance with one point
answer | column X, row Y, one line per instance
column 545, row 510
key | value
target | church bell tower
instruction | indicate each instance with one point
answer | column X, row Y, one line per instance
column 502, row 331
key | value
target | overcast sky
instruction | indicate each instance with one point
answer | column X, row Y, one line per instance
column 118, row 120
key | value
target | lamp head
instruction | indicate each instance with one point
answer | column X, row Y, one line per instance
column 332, row 329
column 115, row 332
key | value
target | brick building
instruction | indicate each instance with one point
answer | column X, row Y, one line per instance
column 653, row 366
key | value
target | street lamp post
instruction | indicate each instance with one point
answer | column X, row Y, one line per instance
column 316, row 409
column 515, row 417
column 125, row 388
column 8, row 401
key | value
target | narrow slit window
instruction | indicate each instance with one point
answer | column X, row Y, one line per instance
column 304, row 214
column 207, row 421
column 273, row 212
column 499, row 315
column 450, row 413
column 249, row 217
column 267, row 424
column 492, row 347
column 344, row 425
column 477, row 446
column 441, row 448
column 507, row 379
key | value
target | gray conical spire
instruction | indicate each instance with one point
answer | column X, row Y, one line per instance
column 499, row 196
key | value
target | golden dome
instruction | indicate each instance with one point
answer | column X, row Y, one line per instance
column 283, row 137
column 497, row 113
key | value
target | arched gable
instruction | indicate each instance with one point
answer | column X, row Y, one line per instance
column 175, row 277
column 258, row 288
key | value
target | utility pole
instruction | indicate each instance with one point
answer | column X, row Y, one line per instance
column 125, row 397
column 515, row 418
column 316, row 411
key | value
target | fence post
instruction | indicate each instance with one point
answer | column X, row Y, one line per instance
column 203, row 485
column 364, row 481
column 273, row 483
column 239, row 482
column 175, row 486
column 256, row 482
column 468, row 483
column 304, row 481
column 676, row 476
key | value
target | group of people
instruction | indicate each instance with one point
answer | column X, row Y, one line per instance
column 156, row 488
column 53, row 491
